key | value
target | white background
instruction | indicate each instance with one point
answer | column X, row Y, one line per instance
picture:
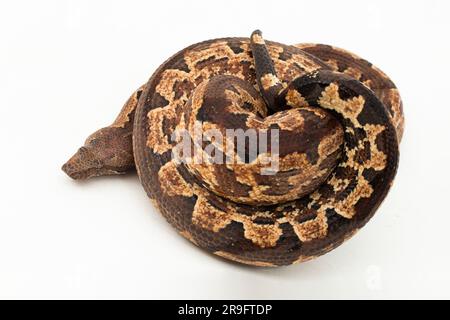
column 66, row 67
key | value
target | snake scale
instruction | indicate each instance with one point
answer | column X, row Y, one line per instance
column 339, row 119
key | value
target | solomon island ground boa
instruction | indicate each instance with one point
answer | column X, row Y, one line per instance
column 339, row 118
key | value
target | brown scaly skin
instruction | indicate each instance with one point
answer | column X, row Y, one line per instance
column 340, row 120
column 227, row 101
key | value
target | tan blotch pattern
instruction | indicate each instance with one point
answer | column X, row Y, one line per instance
column 346, row 208
column 350, row 109
column 269, row 80
column 237, row 100
column 180, row 88
column 295, row 99
column 209, row 217
column 263, row 235
column 311, row 229
column 172, row 183
column 158, row 140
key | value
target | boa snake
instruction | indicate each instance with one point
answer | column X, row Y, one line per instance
column 339, row 120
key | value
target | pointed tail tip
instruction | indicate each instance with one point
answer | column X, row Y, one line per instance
column 256, row 38
column 257, row 32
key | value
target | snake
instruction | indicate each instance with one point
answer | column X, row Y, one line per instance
column 339, row 121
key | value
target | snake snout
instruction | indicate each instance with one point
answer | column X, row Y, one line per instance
column 82, row 165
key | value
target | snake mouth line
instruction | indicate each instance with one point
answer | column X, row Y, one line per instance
column 86, row 164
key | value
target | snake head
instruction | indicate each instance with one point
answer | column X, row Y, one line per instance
column 107, row 151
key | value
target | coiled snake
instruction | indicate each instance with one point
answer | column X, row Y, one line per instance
column 339, row 120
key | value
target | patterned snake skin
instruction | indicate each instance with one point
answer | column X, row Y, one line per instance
column 339, row 118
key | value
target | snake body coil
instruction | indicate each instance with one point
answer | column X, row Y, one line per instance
column 339, row 120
